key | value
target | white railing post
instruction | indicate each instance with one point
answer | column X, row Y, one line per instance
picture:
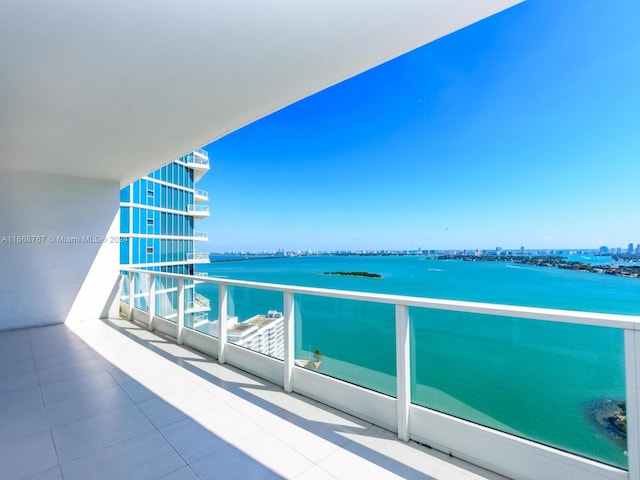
column 632, row 374
column 132, row 287
column 180, row 318
column 289, row 341
column 151, row 303
column 403, row 370
column 223, row 298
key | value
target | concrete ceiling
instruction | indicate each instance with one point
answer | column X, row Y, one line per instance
column 114, row 89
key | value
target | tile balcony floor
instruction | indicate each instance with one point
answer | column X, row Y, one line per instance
column 111, row 400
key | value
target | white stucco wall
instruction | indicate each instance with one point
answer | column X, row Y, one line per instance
column 51, row 280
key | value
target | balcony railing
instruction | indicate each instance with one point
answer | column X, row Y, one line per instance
column 196, row 160
column 474, row 380
column 198, row 256
column 202, row 301
column 201, row 235
column 198, row 209
column 203, row 194
column 202, row 153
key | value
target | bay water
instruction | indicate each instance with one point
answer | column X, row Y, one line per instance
column 544, row 381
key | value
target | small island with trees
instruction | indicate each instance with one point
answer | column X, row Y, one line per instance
column 610, row 416
column 355, row 274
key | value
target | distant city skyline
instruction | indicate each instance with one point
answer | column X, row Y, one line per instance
column 601, row 250
column 518, row 130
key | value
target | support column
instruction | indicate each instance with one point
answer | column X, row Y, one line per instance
column 403, row 370
column 632, row 373
column 132, row 287
column 152, row 300
column 180, row 318
column 223, row 298
column 289, row 341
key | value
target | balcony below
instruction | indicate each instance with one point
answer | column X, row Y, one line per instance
column 201, row 195
column 200, row 235
column 198, row 211
column 108, row 399
column 199, row 304
column 198, row 257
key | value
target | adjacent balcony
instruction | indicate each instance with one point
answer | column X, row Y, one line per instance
column 201, row 318
column 200, row 304
column 492, row 384
column 201, row 153
column 198, row 211
column 198, row 161
column 201, row 195
column 198, row 257
column 200, row 235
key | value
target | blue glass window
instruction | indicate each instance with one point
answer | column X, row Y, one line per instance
column 124, row 253
column 124, row 220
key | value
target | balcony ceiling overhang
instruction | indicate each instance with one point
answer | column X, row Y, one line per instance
column 112, row 90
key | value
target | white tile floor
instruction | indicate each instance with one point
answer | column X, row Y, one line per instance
column 109, row 400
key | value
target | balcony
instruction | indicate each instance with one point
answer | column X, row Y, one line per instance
column 201, row 195
column 398, row 397
column 198, row 161
column 199, row 304
column 198, row 211
column 109, row 399
column 200, row 235
column 198, row 257
column 199, row 319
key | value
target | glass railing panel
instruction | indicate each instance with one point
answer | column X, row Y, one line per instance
column 553, row 383
column 167, row 298
column 350, row 340
column 203, row 317
column 141, row 289
column 124, row 287
column 255, row 320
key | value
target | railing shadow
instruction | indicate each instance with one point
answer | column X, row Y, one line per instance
column 334, row 433
column 94, row 428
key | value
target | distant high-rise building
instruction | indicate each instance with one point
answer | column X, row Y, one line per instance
column 260, row 333
column 630, row 248
column 604, row 250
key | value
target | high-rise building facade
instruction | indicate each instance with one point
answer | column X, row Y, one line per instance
column 158, row 214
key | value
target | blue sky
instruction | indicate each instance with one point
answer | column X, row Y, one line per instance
column 523, row 129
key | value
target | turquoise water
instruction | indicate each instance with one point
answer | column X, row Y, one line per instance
column 537, row 380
